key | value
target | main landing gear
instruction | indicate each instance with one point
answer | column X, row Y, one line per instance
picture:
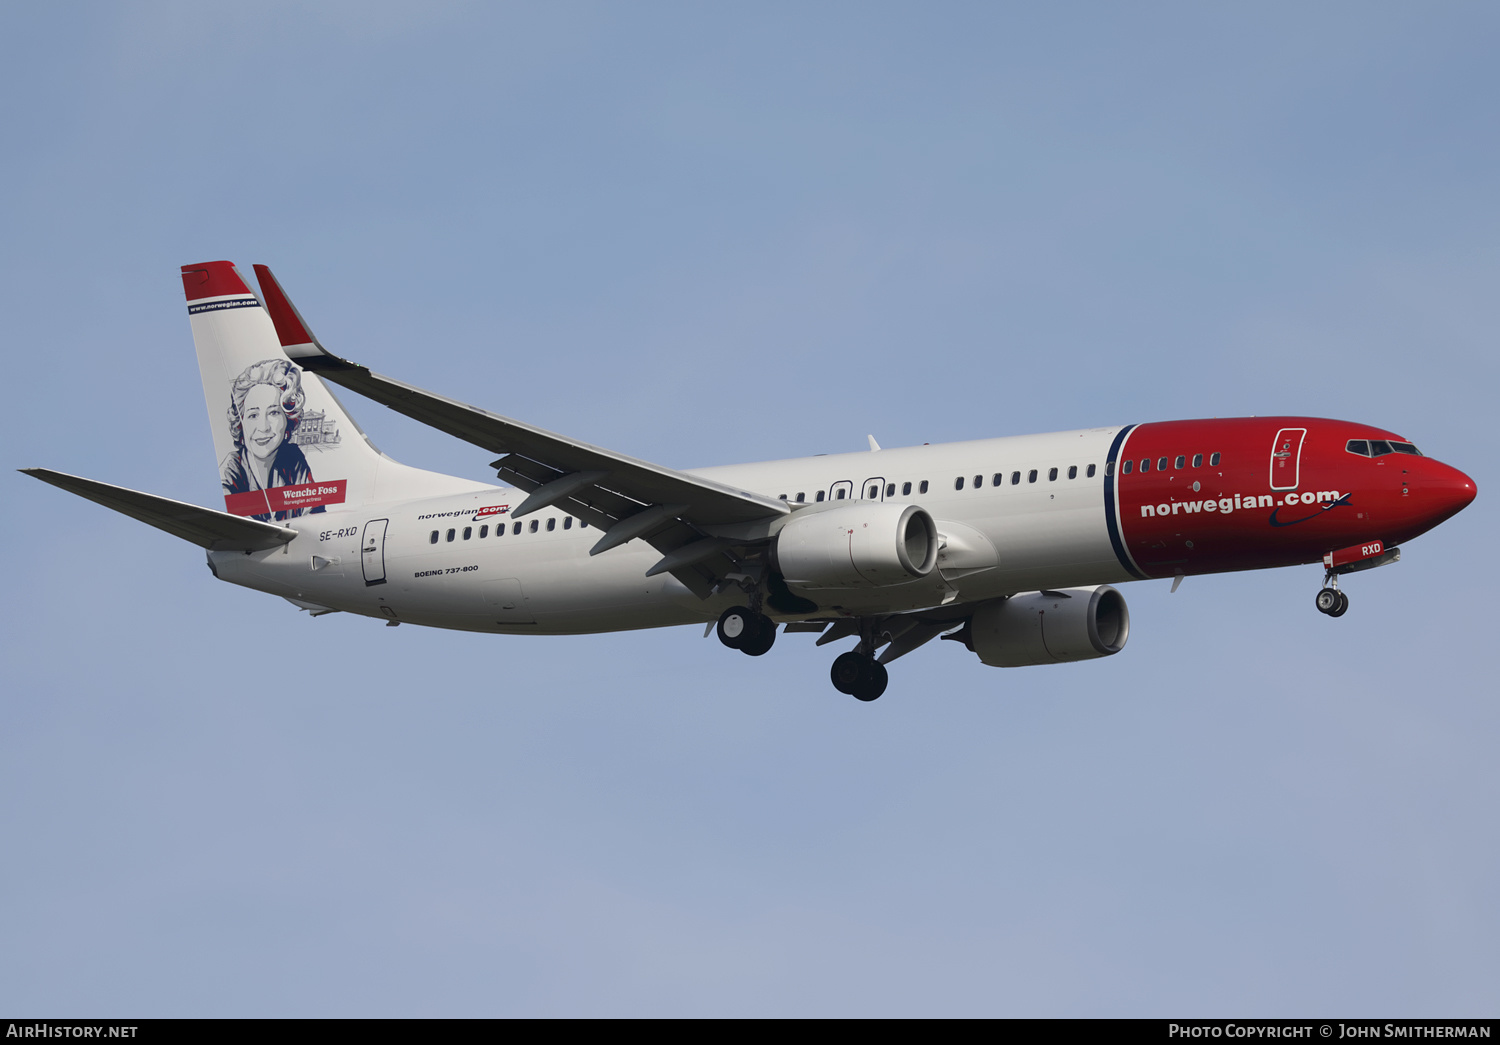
column 859, row 675
column 856, row 672
column 1330, row 600
column 741, row 628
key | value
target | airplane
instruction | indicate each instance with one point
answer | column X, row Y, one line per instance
column 1010, row 547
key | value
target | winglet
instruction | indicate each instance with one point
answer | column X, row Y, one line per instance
column 874, row 446
column 296, row 337
column 291, row 328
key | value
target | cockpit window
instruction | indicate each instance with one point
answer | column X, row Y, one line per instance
column 1358, row 446
column 1406, row 448
column 1379, row 448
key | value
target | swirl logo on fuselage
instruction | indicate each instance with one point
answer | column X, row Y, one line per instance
column 1321, row 509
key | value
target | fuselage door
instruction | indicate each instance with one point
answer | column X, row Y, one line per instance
column 1286, row 458
column 873, row 489
column 842, row 490
column 372, row 551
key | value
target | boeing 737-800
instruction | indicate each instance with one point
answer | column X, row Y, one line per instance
column 1009, row 546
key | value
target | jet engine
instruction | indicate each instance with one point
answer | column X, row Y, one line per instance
column 1050, row 627
column 864, row 545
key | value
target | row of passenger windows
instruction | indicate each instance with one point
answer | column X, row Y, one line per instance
column 484, row 531
column 1180, row 461
column 998, row 479
column 842, row 492
column 1380, row 447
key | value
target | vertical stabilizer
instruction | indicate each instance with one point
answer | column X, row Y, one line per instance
column 284, row 445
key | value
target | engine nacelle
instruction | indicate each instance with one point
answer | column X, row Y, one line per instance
column 864, row 545
column 1051, row 627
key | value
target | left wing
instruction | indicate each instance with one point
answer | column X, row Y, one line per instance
column 627, row 498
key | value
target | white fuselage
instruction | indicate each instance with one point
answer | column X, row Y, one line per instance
column 382, row 560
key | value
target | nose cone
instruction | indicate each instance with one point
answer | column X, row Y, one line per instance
column 1446, row 491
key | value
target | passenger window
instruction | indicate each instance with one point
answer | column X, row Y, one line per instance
column 1031, row 476
column 451, row 534
column 1091, row 471
column 978, row 481
column 468, row 532
column 1109, row 470
column 1358, row 446
column 890, row 489
column 434, row 537
column 582, row 525
column 516, row 528
column 551, row 524
column 782, row 496
column 568, row 523
column 1072, row 471
column 484, row 531
column 1181, row 462
column 1129, row 467
column 1145, row 465
column 1406, row 448
column 874, row 493
column 1161, row 465
column 534, row 525
column 958, row 484
column 923, row 487
column 839, row 494
column 905, row 489
column 1052, row 475
column 998, row 479
column 1214, row 461
column 1197, row 460
column 1379, row 448
column 1015, row 478
column 820, row 495
column 801, row 497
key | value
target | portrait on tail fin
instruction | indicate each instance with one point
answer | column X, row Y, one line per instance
column 266, row 404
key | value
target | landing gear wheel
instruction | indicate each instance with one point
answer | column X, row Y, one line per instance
column 735, row 624
column 847, row 670
column 1329, row 600
column 1341, row 608
column 873, row 683
column 859, row 676
column 759, row 640
column 747, row 631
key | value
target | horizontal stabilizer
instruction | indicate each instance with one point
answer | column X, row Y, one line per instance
column 216, row 531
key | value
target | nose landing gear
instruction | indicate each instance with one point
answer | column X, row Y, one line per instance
column 1330, row 600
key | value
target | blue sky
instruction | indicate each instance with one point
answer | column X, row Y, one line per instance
column 702, row 236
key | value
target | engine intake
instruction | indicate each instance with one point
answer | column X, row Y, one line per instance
column 866, row 545
column 1050, row 627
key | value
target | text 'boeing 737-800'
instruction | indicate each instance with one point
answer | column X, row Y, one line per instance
column 1008, row 546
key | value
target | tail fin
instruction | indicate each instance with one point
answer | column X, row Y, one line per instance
column 285, row 446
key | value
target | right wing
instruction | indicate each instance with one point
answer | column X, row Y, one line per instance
column 216, row 531
column 683, row 516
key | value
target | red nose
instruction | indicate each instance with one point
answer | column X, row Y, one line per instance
column 1446, row 491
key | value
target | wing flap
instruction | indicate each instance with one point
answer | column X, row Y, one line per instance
column 216, row 531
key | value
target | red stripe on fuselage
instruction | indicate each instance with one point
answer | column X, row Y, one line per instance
column 1244, row 514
